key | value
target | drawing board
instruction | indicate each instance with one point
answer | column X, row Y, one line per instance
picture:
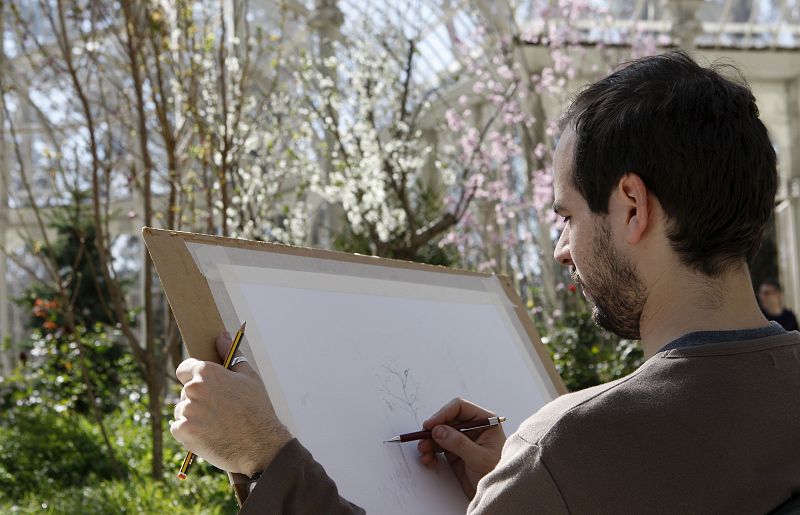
column 354, row 350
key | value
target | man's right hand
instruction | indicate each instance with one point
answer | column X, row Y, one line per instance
column 473, row 454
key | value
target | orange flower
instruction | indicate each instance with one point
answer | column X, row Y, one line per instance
column 42, row 307
column 50, row 325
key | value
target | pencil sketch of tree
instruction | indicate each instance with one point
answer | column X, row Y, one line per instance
column 400, row 390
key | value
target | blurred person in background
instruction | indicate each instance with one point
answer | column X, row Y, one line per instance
column 770, row 298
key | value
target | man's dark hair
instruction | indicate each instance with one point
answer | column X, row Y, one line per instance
column 695, row 139
column 772, row 282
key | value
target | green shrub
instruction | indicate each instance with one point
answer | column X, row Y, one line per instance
column 41, row 451
column 52, row 463
column 52, row 376
column 586, row 355
column 208, row 495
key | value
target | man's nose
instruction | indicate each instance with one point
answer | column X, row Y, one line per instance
column 561, row 253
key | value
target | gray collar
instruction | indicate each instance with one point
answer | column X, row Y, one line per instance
column 703, row 337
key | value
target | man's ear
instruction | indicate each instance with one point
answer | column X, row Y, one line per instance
column 633, row 195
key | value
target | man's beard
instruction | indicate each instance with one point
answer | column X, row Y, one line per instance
column 614, row 289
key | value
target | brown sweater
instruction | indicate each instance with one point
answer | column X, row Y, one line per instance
column 711, row 428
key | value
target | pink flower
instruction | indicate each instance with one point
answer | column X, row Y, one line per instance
column 539, row 151
column 487, row 265
column 469, row 142
column 454, row 120
column 505, row 72
column 542, row 190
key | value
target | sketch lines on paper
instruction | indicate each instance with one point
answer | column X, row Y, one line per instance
column 399, row 391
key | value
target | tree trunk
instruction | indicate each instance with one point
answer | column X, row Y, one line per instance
column 155, row 404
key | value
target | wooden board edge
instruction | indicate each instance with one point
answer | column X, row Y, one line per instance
column 533, row 334
column 308, row 252
column 188, row 293
column 189, row 296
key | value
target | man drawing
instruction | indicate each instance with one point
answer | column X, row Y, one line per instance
column 665, row 177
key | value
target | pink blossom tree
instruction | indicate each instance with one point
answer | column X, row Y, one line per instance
column 527, row 73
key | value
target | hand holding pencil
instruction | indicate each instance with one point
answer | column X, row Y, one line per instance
column 227, row 363
column 225, row 416
column 471, row 454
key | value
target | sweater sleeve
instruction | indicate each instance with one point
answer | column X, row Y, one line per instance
column 521, row 483
column 295, row 484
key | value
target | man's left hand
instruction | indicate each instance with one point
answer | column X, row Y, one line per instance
column 225, row 416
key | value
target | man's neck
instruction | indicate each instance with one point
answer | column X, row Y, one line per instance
column 686, row 302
